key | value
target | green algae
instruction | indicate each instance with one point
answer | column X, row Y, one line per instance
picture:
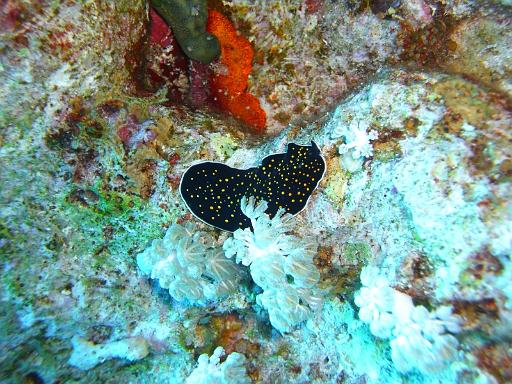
column 223, row 145
column 184, row 342
column 132, row 221
column 357, row 253
column 105, row 202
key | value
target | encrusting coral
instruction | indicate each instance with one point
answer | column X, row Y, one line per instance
column 187, row 19
column 187, row 263
column 419, row 339
column 280, row 263
column 87, row 355
column 229, row 84
column 309, row 56
column 212, row 371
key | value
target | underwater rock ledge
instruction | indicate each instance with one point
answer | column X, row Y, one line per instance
column 401, row 255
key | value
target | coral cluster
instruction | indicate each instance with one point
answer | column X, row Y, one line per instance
column 187, row 263
column 210, row 370
column 356, row 144
column 419, row 338
column 280, row 263
column 424, row 339
column 376, row 300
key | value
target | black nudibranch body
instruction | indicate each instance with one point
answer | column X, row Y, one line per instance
column 212, row 191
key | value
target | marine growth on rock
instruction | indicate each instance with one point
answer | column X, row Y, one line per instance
column 164, row 215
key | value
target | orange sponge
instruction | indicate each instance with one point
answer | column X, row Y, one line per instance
column 229, row 87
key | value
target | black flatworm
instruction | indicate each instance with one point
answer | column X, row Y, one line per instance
column 212, row 191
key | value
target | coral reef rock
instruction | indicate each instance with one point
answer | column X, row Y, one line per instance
column 392, row 265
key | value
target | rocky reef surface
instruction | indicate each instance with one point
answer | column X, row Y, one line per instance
column 398, row 269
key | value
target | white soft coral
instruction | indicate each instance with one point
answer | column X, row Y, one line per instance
column 357, row 139
column 419, row 338
column 422, row 340
column 188, row 264
column 375, row 300
column 357, row 143
column 280, row 263
column 209, row 370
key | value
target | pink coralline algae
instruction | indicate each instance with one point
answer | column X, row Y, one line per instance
column 168, row 65
column 187, row 80
column 199, row 83
column 134, row 134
